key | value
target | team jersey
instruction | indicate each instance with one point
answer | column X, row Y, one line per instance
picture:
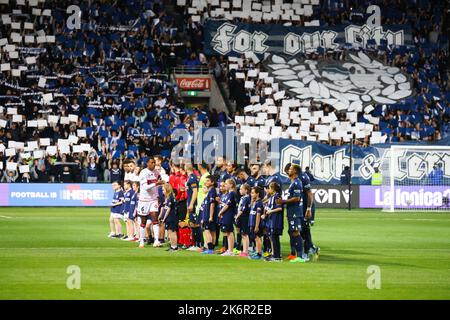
column 127, row 197
column 133, row 202
column 181, row 194
column 238, row 186
column 92, row 170
column 209, row 199
column 230, row 201
column 117, row 197
column 201, row 194
column 148, row 187
column 250, row 181
column 256, row 208
column 174, row 181
column 163, row 173
column 223, row 198
column 161, row 197
column 295, row 190
column 172, row 215
column 236, row 179
column 259, row 182
column 244, row 205
column 273, row 178
column 223, row 176
column 115, row 175
column 275, row 219
column 191, row 185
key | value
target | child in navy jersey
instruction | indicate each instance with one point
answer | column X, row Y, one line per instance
column 116, row 211
column 227, row 214
column 169, row 216
column 255, row 223
column 243, row 216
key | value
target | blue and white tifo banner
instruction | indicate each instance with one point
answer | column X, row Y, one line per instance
column 55, row 194
column 225, row 38
column 327, row 162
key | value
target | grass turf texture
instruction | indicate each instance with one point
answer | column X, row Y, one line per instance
column 38, row 244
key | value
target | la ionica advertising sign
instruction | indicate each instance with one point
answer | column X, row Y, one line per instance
column 411, row 197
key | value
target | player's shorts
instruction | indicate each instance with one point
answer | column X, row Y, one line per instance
column 192, row 217
column 211, row 226
column 244, row 224
column 295, row 224
column 237, row 223
column 226, row 227
column 182, row 210
column 267, row 224
column 117, row 216
column 130, row 215
column 171, row 225
column 264, row 223
column 145, row 207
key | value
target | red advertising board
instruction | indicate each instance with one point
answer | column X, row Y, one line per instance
column 194, row 83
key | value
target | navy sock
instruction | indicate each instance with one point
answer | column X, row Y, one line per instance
column 225, row 242
column 217, row 237
column 293, row 244
column 210, row 246
column 299, row 245
column 239, row 241
column 276, row 246
column 252, row 243
column 266, row 243
column 198, row 237
column 307, row 237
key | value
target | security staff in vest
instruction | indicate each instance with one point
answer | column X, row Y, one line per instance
column 345, row 176
column 377, row 178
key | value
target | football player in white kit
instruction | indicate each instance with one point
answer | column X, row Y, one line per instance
column 130, row 168
column 148, row 206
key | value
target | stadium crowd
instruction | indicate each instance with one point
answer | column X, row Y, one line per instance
column 111, row 77
column 422, row 117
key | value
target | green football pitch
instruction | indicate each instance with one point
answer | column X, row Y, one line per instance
column 37, row 245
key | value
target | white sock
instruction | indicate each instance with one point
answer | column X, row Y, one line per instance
column 156, row 232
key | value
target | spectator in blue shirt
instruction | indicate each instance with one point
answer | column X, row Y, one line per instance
column 436, row 176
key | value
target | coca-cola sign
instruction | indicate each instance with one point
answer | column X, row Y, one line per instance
column 194, row 83
column 406, row 197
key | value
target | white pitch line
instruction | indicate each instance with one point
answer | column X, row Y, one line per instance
column 6, row 217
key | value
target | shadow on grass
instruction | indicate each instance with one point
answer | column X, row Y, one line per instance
column 341, row 259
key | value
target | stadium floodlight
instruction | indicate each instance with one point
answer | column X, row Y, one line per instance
column 416, row 178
